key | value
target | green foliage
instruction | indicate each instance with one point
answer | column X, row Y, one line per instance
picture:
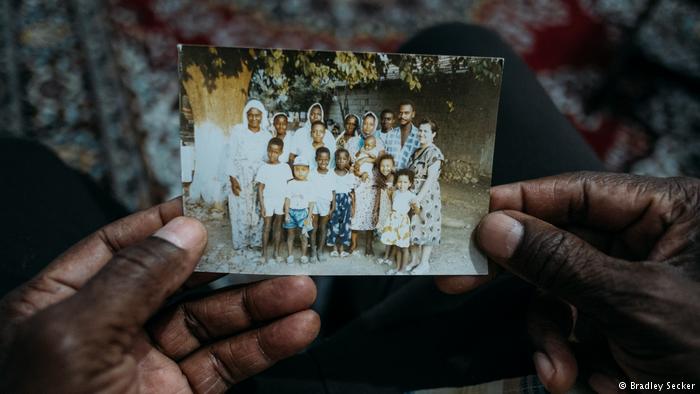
column 275, row 71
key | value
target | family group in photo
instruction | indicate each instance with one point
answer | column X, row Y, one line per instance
column 378, row 179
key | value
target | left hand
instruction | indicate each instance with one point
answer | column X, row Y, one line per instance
column 618, row 257
column 91, row 320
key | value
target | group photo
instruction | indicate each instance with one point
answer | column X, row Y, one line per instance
column 337, row 163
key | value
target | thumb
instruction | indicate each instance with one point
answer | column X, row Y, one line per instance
column 137, row 280
column 550, row 258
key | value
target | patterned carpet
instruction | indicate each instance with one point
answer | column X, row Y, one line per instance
column 96, row 80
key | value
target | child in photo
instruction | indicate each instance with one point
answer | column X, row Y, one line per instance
column 384, row 183
column 343, row 204
column 323, row 183
column 366, row 157
column 307, row 149
column 298, row 206
column 280, row 122
column 271, row 178
column 397, row 231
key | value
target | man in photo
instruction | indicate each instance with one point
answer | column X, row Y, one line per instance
column 402, row 140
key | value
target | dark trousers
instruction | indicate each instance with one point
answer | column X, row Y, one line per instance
column 380, row 334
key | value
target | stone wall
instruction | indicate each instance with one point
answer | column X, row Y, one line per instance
column 464, row 108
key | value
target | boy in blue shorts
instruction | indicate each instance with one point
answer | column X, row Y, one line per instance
column 298, row 207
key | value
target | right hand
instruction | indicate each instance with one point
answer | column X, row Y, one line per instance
column 618, row 257
column 91, row 321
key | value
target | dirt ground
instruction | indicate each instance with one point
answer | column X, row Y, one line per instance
column 462, row 207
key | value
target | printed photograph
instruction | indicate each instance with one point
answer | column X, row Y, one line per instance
column 337, row 163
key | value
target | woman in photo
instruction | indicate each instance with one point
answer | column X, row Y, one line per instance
column 351, row 123
column 426, row 163
column 247, row 150
column 365, row 195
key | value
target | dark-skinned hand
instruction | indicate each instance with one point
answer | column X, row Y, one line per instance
column 617, row 261
column 91, row 322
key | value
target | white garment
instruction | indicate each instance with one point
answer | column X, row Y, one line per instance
column 345, row 183
column 300, row 194
column 323, row 184
column 210, row 181
column 186, row 162
column 402, row 201
column 308, row 152
column 246, row 146
column 274, row 177
column 288, row 146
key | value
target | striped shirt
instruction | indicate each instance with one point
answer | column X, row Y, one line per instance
column 402, row 154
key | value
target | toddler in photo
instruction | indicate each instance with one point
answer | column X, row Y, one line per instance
column 298, row 206
column 365, row 158
column 343, row 204
column 397, row 230
column 271, row 179
column 322, row 180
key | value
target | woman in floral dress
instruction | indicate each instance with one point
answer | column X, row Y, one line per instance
column 426, row 163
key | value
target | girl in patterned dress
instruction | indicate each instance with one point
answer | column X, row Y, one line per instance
column 343, row 204
column 384, row 184
column 397, row 231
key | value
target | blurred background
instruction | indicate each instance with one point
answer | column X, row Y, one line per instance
column 96, row 81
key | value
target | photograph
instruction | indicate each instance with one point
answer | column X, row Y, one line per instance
column 337, row 163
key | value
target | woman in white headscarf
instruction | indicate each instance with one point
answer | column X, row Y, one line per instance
column 365, row 193
column 302, row 137
column 247, row 151
column 368, row 127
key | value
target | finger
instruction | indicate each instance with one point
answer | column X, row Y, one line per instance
column 550, row 258
column 549, row 324
column 136, row 282
column 69, row 272
column 613, row 202
column 191, row 324
column 459, row 284
column 225, row 363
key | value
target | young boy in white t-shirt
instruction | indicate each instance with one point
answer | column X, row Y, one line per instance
column 298, row 207
column 323, row 182
column 272, row 180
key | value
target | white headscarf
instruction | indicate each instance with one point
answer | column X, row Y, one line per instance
column 264, row 123
column 307, row 124
column 376, row 120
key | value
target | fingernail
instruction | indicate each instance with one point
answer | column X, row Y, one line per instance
column 499, row 235
column 183, row 232
column 603, row 384
column 544, row 367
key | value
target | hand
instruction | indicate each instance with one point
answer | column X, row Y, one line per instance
column 618, row 257
column 262, row 211
column 80, row 326
column 235, row 187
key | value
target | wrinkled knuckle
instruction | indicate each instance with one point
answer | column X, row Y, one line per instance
column 142, row 257
column 549, row 253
